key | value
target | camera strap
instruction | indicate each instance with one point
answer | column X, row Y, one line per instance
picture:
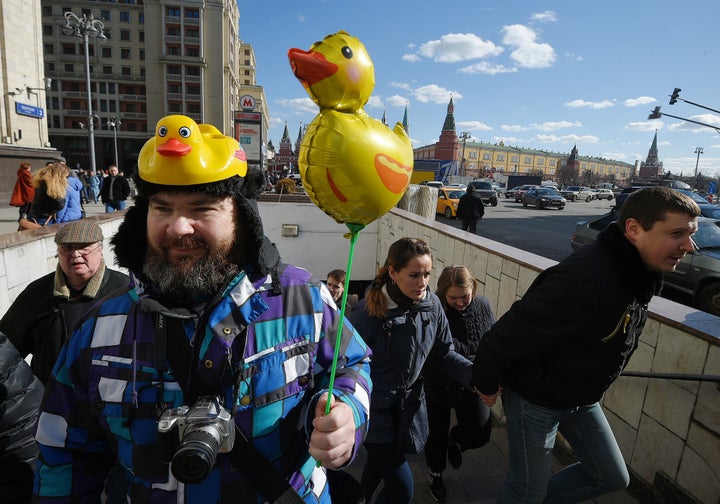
column 245, row 457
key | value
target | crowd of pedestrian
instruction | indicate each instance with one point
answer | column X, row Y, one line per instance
column 214, row 334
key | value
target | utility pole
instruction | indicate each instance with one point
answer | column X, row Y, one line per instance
column 698, row 151
column 464, row 136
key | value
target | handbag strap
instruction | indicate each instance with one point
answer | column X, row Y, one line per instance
column 245, row 457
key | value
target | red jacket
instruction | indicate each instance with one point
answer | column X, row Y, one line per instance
column 23, row 192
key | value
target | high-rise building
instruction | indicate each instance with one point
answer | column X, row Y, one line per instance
column 160, row 58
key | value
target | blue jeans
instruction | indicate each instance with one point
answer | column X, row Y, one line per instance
column 113, row 205
column 385, row 463
column 531, row 431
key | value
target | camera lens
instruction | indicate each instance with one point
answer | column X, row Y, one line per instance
column 195, row 458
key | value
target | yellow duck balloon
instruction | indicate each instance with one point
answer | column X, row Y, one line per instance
column 183, row 152
column 353, row 167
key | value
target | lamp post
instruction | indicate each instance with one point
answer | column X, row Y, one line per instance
column 84, row 28
column 34, row 90
column 698, row 151
column 114, row 123
column 464, row 136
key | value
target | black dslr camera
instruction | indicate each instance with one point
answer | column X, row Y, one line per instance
column 203, row 431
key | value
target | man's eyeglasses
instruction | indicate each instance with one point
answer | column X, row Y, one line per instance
column 67, row 249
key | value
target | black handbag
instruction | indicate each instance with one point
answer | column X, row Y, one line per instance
column 344, row 488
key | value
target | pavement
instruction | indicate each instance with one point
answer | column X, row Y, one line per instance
column 483, row 470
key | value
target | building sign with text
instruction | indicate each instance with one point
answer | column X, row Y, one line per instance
column 29, row 110
column 248, row 131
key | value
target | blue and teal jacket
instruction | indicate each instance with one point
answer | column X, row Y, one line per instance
column 112, row 381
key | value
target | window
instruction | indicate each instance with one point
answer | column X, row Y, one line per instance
column 174, row 88
column 142, row 54
column 541, row 161
column 69, row 67
column 105, row 15
column 142, row 71
column 174, row 107
column 68, row 48
column 126, row 70
column 192, row 70
column 192, row 32
column 141, row 18
column 48, row 49
column 528, row 159
column 130, row 107
column 174, row 69
column 47, row 10
column 108, row 33
column 103, row 88
column 141, row 36
column 107, row 52
column 173, row 31
column 125, row 53
column 192, row 51
column 124, row 17
column 514, row 158
column 107, row 69
column 172, row 11
column 111, row 87
column 501, row 157
column 47, row 30
column 173, row 50
column 192, row 13
column 124, row 34
column 103, row 106
column 193, row 89
column 194, row 108
column 50, row 67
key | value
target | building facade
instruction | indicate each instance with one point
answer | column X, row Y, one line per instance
column 480, row 159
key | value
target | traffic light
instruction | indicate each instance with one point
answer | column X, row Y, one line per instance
column 655, row 114
column 674, row 96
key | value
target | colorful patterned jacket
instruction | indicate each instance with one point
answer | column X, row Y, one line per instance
column 112, row 381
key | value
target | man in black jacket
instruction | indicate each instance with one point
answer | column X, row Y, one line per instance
column 46, row 311
column 558, row 349
column 20, row 405
column 470, row 209
column 115, row 190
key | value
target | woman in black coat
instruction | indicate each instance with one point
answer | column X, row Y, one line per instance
column 20, row 395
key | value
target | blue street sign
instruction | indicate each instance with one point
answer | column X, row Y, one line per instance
column 712, row 187
column 29, row 110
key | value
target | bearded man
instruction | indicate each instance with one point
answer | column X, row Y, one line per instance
column 214, row 340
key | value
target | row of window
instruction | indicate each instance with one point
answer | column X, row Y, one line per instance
column 125, row 35
column 174, row 11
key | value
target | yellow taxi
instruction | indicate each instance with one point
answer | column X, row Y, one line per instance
column 448, row 201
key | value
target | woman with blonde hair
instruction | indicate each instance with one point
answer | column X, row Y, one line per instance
column 50, row 184
column 403, row 323
column 469, row 316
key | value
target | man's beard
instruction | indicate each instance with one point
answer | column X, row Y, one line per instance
column 188, row 280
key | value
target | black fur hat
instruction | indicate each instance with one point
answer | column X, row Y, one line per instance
column 259, row 254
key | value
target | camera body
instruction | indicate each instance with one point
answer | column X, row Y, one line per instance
column 203, row 431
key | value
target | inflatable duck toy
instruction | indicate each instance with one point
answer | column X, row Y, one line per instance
column 207, row 155
column 352, row 166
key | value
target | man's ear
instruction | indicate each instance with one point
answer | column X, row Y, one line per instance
column 632, row 229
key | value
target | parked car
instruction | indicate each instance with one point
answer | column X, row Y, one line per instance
column 519, row 191
column 457, row 185
column 707, row 209
column 447, row 201
column 510, row 193
column 485, row 190
column 574, row 193
column 432, row 183
column 543, row 197
column 698, row 273
column 604, row 194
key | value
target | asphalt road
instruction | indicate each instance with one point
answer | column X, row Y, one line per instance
column 544, row 232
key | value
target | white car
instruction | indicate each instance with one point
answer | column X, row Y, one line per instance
column 604, row 194
column 457, row 185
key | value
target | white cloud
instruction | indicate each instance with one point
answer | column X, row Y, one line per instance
column 513, row 127
column 411, row 58
column 645, row 125
column 640, row 100
column 455, row 47
column 529, row 52
column 544, row 17
column 396, row 101
column 555, row 125
column 485, row 67
column 620, row 156
column 433, row 93
column 588, row 104
column 473, row 126
column 401, row 85
column 298, row 105
column 711, row 120
column 572, row 56
column 375, row 102
column 567, row 139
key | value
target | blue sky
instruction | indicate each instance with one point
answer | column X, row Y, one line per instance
column 544, row 75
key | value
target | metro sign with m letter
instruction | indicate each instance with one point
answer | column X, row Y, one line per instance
column 247, row 102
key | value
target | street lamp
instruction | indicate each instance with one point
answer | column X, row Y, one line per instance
column 464, row 136
column 114, row 123
column 698, row 151
column 84, row 28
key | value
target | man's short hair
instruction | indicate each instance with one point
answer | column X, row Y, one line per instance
column 650, row 205
column 80, row 231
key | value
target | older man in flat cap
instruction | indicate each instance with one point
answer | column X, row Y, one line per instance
column 46, row 311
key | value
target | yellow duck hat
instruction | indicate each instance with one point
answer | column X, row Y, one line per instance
column 183, row 152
